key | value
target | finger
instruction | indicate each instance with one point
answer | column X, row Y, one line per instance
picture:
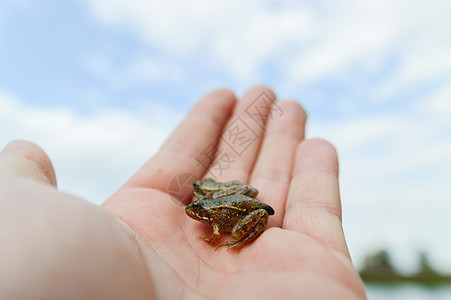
column 274, row 166
column 313, row 205
column 240, row 141
column 198, row 131
column 27, row 160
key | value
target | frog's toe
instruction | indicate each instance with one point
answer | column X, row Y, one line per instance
column 206, row 238
column 212, row 240
column 230, row 244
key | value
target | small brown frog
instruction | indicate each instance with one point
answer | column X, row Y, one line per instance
column 244, row 217
column 214, row 190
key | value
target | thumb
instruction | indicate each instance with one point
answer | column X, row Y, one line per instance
column 26, row 159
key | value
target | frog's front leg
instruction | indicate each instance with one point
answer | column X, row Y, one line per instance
column 215, row 236
column 248, row 228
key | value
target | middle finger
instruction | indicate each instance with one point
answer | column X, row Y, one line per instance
column 240, row 142
column 272, row 172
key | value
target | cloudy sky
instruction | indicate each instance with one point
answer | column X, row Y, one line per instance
column 100, row 84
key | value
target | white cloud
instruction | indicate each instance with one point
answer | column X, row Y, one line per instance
column 140, row 70
column 437, row 105
column 306, row 40
column 237, row 36
column 93, row 155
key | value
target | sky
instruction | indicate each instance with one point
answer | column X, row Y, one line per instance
column 99, row 85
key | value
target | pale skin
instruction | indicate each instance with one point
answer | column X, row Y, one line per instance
column 140, row 244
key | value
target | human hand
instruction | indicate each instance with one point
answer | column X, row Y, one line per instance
column 301, row 254
column 158, row 253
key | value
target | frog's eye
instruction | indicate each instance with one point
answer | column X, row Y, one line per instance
column 269, row 210
column 196, row 205
column 197, row 183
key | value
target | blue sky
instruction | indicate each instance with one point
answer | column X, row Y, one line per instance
column 117, row 76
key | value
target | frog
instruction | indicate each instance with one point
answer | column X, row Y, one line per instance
column 229, row 208
column 214, row 190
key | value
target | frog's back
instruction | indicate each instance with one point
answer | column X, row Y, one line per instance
column 208, row 187
column 241, row 202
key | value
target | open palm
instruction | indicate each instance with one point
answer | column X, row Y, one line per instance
column 301, row 254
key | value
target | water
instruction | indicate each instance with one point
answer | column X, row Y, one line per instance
column 407, row 292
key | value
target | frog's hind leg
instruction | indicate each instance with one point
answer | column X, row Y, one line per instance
column 248, row 228
column 242, row 189
column 232, row 190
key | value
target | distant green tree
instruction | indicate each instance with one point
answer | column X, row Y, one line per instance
column 378, row 263
column 425, row 265
column 378, row 268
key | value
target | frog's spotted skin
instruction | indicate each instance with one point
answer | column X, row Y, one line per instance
column 226, row 207
column 214, row 190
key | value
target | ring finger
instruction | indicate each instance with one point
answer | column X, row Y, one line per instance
column 272, row 172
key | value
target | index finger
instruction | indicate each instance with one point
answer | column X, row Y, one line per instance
column 178, row 154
